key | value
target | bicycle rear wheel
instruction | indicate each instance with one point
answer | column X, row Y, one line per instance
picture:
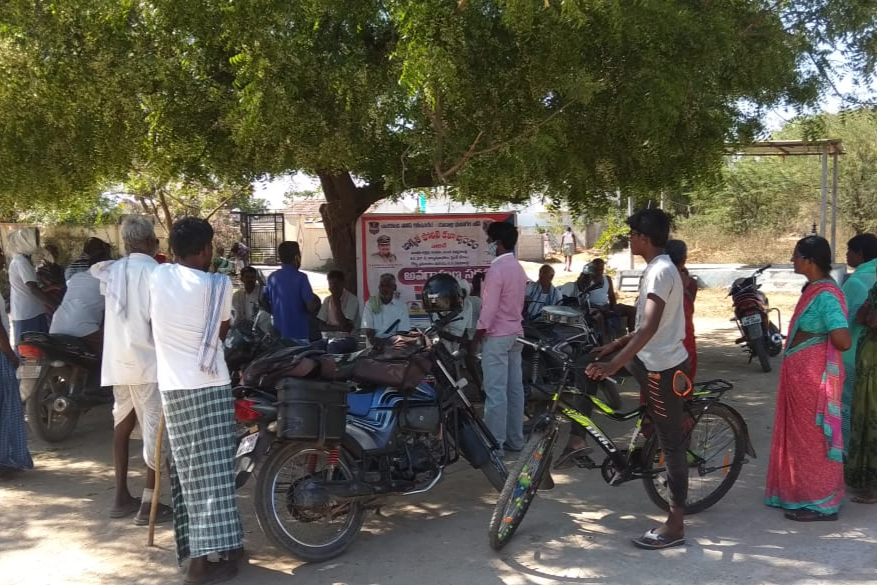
column 521, row 486
column 715, row 452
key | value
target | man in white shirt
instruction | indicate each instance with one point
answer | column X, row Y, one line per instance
column 339, row 313
column 384, row 315
column 128, row 361
column 541, row 294
column 190, row 312
column 568, row 246
column 28, row 303
column 81, row 313
column 245, row 301
column 659, row 361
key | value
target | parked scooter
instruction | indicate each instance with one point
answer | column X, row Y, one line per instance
column 337, row 435
column 759, row 336
column 59, row 380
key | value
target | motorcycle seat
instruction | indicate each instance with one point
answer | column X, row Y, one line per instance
column 68, row 345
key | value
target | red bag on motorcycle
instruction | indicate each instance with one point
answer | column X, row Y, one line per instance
column 401, row 362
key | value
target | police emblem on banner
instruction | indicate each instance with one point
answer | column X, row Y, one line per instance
column 374, row 227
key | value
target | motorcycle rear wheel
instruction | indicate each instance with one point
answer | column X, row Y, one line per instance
column 758, row 348
column 285, row 466
column 51, row 426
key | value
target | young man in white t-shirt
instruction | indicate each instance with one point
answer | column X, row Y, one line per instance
column 190, row 311
column 659, row 361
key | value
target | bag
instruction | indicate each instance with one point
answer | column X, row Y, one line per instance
column 400, row 362
column 312, row 410
column 289, row 362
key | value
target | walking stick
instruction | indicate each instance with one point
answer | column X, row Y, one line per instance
column 153, row 509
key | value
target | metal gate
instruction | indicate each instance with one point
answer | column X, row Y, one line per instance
column 263, row 233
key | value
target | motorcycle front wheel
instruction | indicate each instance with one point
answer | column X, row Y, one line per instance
column 311, row 535
column 43, row 417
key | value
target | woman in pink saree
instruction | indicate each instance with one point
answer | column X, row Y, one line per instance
column 805, row 475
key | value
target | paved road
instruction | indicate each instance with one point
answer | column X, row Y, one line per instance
column 54, row 530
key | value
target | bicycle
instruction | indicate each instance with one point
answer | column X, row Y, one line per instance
column 717, row 437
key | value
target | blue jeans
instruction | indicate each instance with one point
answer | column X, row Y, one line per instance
column 504, row 387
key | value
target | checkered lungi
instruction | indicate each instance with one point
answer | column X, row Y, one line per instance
column 200, row 428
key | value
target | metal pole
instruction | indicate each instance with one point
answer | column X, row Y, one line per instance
column 834, row 205
column 629, row 249
column 824, row 199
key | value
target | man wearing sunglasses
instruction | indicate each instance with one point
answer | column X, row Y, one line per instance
column 656, row 356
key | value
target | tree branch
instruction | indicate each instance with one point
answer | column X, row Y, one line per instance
column 526, row 133
column 443, row 175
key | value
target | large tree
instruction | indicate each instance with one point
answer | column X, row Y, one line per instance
column 497, row 100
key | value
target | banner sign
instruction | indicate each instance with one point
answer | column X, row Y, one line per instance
column 414, row 247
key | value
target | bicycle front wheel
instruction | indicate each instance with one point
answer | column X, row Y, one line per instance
column 521, row 486
column 715, row 450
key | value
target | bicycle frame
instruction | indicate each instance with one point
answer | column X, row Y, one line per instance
column 622, row 461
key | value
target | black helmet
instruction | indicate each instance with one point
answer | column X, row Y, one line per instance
column 442, row 293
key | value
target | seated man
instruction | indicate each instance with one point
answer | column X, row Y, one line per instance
column 221, row 264
column 245, row 301
column 604, row 304
column 384, row 315
column 339, row 313
column 541, row 294
column 81, row 313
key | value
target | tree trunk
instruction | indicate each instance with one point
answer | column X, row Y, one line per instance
column 345, row 203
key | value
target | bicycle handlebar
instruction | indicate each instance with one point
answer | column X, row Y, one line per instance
column 538, row 346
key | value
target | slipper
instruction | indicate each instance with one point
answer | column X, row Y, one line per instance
column 132, row 508
column 164, row 514
column 217, row 573
column 575, row 458
column 864, row 499
column 651, row 540
column 804, row 515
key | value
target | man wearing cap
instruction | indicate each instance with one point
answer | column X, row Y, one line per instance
column 384, row 255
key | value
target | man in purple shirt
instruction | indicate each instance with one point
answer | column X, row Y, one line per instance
column 499, row 324
column 289, row 296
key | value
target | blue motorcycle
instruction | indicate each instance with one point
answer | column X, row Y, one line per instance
column 335, row 435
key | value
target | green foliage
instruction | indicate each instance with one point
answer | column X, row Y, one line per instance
column 615, row 233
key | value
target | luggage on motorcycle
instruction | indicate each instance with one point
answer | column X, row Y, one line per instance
column 64, row 345
column 289, row 362
column 311, row 409
column 422, row 418
column 400, row 362
column 339, row 367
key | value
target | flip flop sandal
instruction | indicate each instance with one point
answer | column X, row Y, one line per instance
column 218, row 572
column 575, row 458
column 870, row 499
column 802, row 515
column 164, row 514
column 651, row 540
column 131, row 508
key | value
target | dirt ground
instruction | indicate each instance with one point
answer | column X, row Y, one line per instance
column 55, row 529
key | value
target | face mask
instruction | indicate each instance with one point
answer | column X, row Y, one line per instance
column 491, row 248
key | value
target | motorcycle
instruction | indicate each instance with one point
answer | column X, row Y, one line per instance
column 334, row 437
column 59, row 381
column 759, row 336
column 567, row 326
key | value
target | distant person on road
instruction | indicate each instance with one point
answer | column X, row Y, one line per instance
column 541, row 294
column 678, row 252
column 862, row 257
column 568, row 246
column 28, row 302
column 384, row 315
column 805, row 476
column 289, row 296
column 655, row 355
column 190, row 313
